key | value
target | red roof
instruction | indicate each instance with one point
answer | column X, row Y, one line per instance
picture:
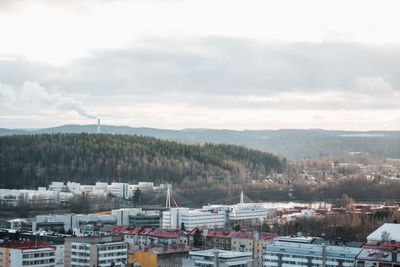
column 25, row 244
column 161, row 250
column 250, row 235
column 126, row 229
column 393, row 246
column 174, row 233
column 164, row 233
column 221, row 233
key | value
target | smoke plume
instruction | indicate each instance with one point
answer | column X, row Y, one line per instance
column 34, row 96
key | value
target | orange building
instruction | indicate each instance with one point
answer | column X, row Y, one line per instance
column 170, row 256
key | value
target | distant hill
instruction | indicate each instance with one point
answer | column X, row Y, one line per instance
column 289, row 143
column 37, row 159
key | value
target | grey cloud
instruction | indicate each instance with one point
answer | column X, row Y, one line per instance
column 227, row 67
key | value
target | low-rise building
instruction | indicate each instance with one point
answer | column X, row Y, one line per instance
column 166, row 256
column 177, row 218
column 302, row 254
column 120, row 190
column 218, row 258
column 137, row 216
column 27, row 253
column 378, row 257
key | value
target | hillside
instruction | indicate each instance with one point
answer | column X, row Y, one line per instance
column 37, row 159
column 287, row 143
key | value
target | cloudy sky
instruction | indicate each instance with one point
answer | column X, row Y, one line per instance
column 231, row 64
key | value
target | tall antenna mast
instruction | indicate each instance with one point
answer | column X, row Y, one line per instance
column 98, row 126
column 168, row 199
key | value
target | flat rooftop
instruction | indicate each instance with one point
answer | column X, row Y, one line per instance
column 222, row 254
column 313, row 249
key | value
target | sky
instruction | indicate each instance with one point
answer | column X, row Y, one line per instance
column 223, row 64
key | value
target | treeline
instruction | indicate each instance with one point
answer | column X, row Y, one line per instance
column 201, row 191
column 345, row 226
column 36, row 160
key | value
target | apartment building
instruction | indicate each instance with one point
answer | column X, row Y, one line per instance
column 253, row 242
column 95, row 251
column 27, row 253
column 378, row 257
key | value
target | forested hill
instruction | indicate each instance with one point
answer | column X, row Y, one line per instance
column 28, row 161
column 290, row 143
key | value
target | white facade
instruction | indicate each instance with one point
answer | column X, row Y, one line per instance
column 119, row 190
column 146, row 186
column 59, row 192
column 101, row 254
column 41, row 257
column 57, row 186
column 287, row 254
column 242, row 211
column 298, row 215
column 71, row 220
column 74, row 188
column 174, row 218
column 101, row 187
column 122, row 215
column 80, row 254
column 12, row 197
column 59, row 259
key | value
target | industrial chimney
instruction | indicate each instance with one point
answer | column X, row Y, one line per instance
column 98, row 126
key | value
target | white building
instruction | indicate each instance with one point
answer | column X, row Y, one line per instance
column 298, row 215
column 122, row 215
column 119, row 190
column 96, row 251
column 57, row 186
column 242, row 211
column 74, row 188
column 27, row 253
column 59, row 255
column 13, row 197
column 205, row 218
column 71, row 221
column 287, row 254
column 101, row 187
column 146, row 186
column 391, row 231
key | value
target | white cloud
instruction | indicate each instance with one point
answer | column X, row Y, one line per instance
column 34, row 98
